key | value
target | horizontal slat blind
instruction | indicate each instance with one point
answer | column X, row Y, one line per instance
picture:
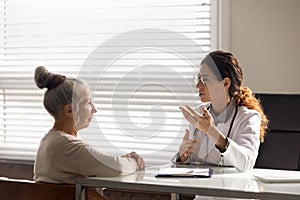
column 139, row 58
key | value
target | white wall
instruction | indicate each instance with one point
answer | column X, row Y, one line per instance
column 265, row 36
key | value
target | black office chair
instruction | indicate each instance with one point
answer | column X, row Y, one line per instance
column 281, row 149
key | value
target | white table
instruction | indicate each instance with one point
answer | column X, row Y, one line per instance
column 225, row 182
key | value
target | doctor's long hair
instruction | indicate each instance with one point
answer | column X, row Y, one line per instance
column 224, row 64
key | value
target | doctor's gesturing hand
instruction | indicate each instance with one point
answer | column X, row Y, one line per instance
column 204, row 123
column 187, row 146
column 201, row 122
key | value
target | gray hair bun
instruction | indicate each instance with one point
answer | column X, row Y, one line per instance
column 45, row 79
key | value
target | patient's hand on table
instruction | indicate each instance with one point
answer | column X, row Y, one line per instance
column 138, row 159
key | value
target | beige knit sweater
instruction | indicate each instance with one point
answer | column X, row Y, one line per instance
column 61, row 158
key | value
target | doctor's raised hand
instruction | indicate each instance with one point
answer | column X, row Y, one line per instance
column 201, row 122
column 226, row 128
column 205, row 123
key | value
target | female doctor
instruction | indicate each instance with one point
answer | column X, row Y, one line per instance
column 228, row 126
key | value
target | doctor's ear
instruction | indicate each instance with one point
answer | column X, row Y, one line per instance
column 226, row 82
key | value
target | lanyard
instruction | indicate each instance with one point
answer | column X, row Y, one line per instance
column 235, row 112
column 228, row 134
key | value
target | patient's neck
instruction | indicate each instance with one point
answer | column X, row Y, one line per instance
column 65, row 125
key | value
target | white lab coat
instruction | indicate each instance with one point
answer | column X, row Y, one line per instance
column 244, row 140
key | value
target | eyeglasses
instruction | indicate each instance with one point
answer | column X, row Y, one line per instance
column 202, row 79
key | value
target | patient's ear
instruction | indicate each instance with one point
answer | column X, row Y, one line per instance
column 68, row 110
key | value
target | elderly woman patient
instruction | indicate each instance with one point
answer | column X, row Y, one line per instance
column 62, row 157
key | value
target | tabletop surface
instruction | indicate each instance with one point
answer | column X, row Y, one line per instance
column 226, row 181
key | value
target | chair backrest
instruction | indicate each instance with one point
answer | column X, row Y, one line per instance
column 16, row 189
column 281, row 149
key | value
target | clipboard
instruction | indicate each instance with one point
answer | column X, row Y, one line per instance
column 185, row 172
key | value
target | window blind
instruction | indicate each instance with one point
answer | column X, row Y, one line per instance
column 138, row 57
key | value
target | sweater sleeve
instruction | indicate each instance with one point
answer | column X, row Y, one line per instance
column 95, row 163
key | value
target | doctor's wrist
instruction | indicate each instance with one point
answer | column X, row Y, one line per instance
column 214, row 133
column 222, row 144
